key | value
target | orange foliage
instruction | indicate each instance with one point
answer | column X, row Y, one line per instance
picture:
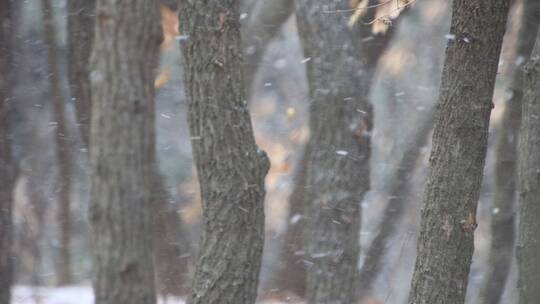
column 394, row 60
column 169, row 22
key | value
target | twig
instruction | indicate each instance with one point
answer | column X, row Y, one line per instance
column 411, row 2
column 356, row 8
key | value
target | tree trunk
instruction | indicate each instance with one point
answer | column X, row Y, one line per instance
column 291, row 272
column 445, row 245
column 340, row 71
column 171, row 245
column 37, row 195
column 122, row 150
column 7, row 168
column 393, row 212
column 230, row 166
column 170, row 266
column 263, row 24
column 502, row 215
column 398, row 187
column 81, row 16
column 528, row 248
column 63, row 158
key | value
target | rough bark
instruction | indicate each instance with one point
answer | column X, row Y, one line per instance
column 171, row 268
column 398, row 190
column 528, row 248
column 448, row 221
column 502, row 215
column 63, row 158
column 7, row 168
column 230, row 166
column 340, row 72
column 81, row 16
column 263, row 24
column 124, row 59
column 338, row 164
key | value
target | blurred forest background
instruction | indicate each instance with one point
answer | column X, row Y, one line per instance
column 51, row 230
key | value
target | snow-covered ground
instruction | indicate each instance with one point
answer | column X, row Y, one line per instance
column 61, row 295
column 81, row 294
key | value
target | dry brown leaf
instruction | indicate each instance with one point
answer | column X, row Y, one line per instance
column 161, row 79
column 290, row 113
column 393, row 61
column 386, row 12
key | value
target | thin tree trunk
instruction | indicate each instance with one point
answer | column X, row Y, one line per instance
column 81, row 16
column 170, row 242
column 63, row 158
column 122, row 150
column 171, row 246
column 502, row 215
column 528, row 248
column 7, row 168
column 399, row 189
column 291, row 273
column 262, row 25
column 445, row 245
column 230, row 166
column 338, row 164
column 340, row 71
column 39, row 205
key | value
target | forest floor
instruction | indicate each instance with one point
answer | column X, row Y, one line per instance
column 62, row 295
column 81, row 294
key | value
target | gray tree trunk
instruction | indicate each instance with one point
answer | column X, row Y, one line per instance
column 445, row 245
column 291, row 271
column 502, row 215
column 122, row 150
column 528, row 247
column 340, row 71
column 63, row 157
column 81, row 18
column 264, row 22
column 7, row 168
column 171, row 246
column 398, row 190
column 230, row 166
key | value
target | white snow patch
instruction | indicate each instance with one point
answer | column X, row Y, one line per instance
column 81, row 294
column 519, row 60
column 450, row 36
column 295, row 218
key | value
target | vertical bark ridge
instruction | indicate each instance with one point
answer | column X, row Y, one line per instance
column 230, row 166
column 7, row 168
column 528, row 247
column 63, row 157
column 81, row 18
column 122, row 150
column 340, row 71
column 448, row 220
column 502, row 215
